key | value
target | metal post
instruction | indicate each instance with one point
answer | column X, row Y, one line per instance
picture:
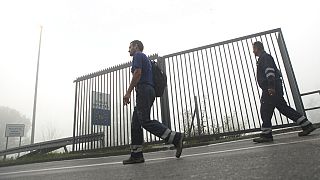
column 164, row 100
column 75, row 116
column 291, row 76
column 4, row 157
column 19, row 146
column 36, row 92
column 197, row 114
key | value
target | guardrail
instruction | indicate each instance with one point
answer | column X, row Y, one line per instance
column 48, row 146
column 310, row 93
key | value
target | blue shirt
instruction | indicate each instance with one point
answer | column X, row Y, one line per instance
column 141, row 61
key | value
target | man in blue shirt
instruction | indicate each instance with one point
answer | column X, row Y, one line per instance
column 142, row 81
column 269, row 80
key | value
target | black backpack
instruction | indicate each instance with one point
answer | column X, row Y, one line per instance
column 159, row 79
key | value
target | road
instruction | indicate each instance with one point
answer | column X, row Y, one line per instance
column 288, row 157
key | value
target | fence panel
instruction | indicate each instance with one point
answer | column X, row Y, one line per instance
column 212, row 90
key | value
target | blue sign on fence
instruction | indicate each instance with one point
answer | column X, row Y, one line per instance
column 101, row 111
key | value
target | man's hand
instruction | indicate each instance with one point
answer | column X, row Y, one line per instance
column 126, row 99
column 271, row 92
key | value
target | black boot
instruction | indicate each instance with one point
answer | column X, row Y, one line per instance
column 263, row 138
column 133, row 160
column 179, row 145
column 307, row 130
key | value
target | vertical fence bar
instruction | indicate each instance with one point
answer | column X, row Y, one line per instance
column 89, row 122
column 176, row 84
column 199, row 119
column 86, row 119
column 203, row 94
column 244, row 90
column 82, row 114
column 183, row 75
column 236, row 86
column 207, row 88
column 113, row 110
column 120, row 107
column 164, row 100
column 180, row 94
column 124, row 79
column 106, row 101
column 171, row 82
column 92, row 91
column 193, row 91
column 291, row 76
column 213, row 95
column 189, row 95
column 231, row 87
column 100, row 87
column 217, row 89
column 75, row 116
column 109, row 95
column 227, row 93
column 79, row 114
column 221, row 86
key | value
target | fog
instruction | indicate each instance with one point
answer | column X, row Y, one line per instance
column 80, row 37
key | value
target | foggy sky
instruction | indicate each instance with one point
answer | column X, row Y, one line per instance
column 81, row 37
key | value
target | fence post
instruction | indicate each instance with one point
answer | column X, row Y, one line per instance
column 5, row 156
column 75, row 116
column 291, row 76
column 197, row 115
column 164, row 100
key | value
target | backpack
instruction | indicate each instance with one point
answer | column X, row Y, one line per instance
column 159, row 79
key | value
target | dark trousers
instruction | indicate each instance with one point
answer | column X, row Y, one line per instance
column 141, row 116
column 269, row 103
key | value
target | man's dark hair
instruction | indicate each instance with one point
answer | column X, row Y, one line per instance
column 258, row 45
column 139, row 43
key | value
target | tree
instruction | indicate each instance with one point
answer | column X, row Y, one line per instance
column 50, row 133
column 12, row 116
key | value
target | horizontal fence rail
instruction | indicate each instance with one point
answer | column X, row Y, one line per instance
column 212, row 90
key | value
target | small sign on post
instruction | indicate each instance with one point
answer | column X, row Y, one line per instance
column 14, row 130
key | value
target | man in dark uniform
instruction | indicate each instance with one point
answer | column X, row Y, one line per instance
column 142, row 81
column 270, row 81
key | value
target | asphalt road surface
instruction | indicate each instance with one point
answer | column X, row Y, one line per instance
column 288, row 157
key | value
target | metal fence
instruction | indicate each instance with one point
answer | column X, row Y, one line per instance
column 212, row 90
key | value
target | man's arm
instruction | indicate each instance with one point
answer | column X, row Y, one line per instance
column 270, row 73
column 134, row 81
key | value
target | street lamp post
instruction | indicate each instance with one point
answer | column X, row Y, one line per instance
column 36, row 92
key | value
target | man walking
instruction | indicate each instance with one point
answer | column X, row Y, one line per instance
column 269, row 80
column 142, row 81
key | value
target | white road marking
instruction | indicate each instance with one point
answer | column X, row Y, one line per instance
column 240, row 140
column 157, row 159
column 157, row 152
column 252, row 147
column 60, row 168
